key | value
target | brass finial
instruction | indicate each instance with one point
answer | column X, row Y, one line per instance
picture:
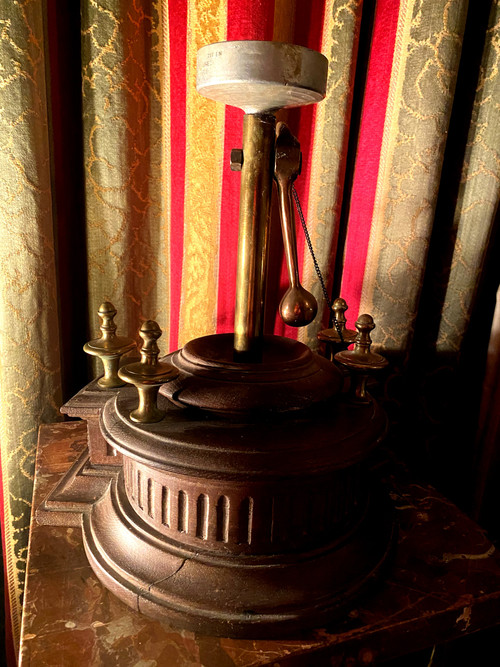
column 361, row 360
column 339, row 309
column 338, row 337
column 148, row 375
column 109, row 347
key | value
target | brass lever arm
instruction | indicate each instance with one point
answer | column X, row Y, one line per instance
column 298, row 306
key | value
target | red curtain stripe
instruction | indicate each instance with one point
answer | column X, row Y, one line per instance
column 245, row 20
column 368, row 153
column 177, row 19
column 309, row 20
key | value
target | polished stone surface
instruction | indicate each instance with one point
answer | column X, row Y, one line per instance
column 444, row 583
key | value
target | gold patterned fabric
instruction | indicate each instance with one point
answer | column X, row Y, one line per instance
column 340, row 45
column 161, row 205
column 417, row 118
column 206, row 23
column 478, row 196
column 29, row 332
column 448, row 360
column 126, row 159
column 425, row 62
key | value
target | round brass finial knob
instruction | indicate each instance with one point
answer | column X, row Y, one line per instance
column 109, row 347
column 339, row 309
column 338, row 336
column 148, row 375
column 361, row 360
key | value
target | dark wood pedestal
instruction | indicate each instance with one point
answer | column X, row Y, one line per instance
column 444, row 583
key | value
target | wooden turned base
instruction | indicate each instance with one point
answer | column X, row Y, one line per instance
column 282, row 537
column 216, row 593
column 244, row 597
column 244, row 524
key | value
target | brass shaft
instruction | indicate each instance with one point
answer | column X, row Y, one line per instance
column 255, row 199
column 288, row 229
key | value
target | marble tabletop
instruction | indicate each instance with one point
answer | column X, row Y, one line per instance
column 444, row 582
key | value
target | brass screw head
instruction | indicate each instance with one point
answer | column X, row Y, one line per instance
column 236, row 159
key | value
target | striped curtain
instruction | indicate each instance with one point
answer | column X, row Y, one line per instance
column 400, row 188
column 160, row 196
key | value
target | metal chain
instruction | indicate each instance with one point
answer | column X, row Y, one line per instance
column 315, row 262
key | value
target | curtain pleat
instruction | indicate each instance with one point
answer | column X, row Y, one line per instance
column 29, row 330
column 424, row 69
column 478, row 197
column 447, row 360
column 475, row 215
column 126, row 155
column 206, row 23
column 329, row 152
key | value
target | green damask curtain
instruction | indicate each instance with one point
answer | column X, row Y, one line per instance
column 115, row 185
column 30, row 379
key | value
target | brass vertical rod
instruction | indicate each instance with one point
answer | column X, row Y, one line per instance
column 288, row 229
column 255, row 199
